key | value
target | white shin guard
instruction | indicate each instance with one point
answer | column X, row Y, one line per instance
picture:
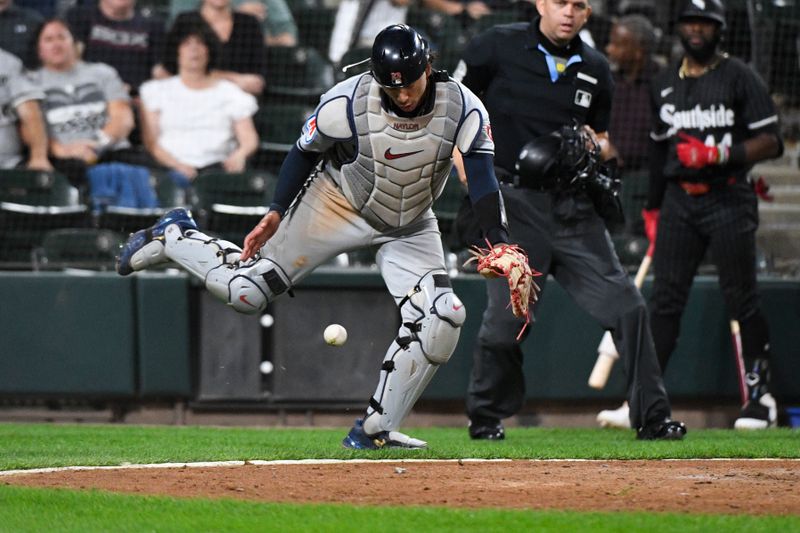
column 247, row 288
column 432, row 320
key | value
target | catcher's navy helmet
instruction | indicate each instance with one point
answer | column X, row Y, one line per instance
column 399, row 56
column 712, row 10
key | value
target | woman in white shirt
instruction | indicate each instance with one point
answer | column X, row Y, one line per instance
column 193, row 121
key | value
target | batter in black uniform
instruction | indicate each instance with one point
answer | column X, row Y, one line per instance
column 534, row 78
column 714, row 120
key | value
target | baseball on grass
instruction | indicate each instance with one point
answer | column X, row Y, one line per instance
column 335, row 335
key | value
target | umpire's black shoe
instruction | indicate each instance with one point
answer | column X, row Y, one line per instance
column 486, row 429
column 662, row 430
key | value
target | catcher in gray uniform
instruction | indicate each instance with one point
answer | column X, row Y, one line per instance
column 369, row 164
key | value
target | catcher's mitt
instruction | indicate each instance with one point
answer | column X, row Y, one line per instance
column 510, row 262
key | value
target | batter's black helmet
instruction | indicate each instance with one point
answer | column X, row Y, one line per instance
column 705, row 9
column 399, row 56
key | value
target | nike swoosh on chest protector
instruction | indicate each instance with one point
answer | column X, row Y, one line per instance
column 390, row 156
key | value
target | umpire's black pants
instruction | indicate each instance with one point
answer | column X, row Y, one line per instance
column 564, row 236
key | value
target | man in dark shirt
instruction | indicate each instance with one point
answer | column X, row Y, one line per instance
column 17, row 25
column 115, row 33
column 535, row 78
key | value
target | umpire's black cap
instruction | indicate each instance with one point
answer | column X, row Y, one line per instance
column 705, row 9
column 399, row 56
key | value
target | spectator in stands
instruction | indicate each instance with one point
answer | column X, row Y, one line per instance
column 116, row 33
column 86, row 106
column 19, row 108
column 277, row 22
column 17, row 25
column 629, row 51
column 359, row 21
column 241, row 57
column 194, row 120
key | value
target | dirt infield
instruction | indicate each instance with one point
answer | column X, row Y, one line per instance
column 718, row 486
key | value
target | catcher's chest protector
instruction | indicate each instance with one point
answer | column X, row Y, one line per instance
column 401, row 164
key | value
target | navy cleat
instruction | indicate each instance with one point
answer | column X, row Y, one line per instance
column 145, row 247
column 358, row 439
column 665, row 429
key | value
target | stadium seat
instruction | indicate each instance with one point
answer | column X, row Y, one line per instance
column 230, row 205
column 35, row 187
column 498, row 16
column 445, row 33
column 351, row 57
column 83, row 248
column 23, row 226
column 279, row 125
column 31, row 203
column 297, row 74
column 630, row 250
column 315, row 26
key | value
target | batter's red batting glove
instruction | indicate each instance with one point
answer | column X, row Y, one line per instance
column 692, row 153
column 650, row 217
column 762, row 189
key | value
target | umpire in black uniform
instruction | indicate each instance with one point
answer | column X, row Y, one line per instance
column 535, row 78
column 714, row 120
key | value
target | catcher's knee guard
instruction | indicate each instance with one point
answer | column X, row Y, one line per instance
column 246, row 288
column 432, row 320
column 436, row 316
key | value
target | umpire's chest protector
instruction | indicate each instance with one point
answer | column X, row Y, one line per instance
column 400, row 164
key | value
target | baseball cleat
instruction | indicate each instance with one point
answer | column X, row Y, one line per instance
column 486, row 429
column 615, row 418
column 758, row 414
column 665, row 429
column 358, row 439
column 145, row 247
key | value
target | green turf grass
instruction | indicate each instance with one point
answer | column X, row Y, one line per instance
column 25, row 509
column 24, row 446
column 43, row 445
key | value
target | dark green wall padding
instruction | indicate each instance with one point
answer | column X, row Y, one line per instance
column 102, row 335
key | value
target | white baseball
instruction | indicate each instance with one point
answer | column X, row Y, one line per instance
column 335, row 335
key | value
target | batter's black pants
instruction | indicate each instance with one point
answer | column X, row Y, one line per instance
column 565, row 237
column 723, row 221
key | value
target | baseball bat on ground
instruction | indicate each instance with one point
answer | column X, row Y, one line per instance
column 736, row 340
column 607, row 353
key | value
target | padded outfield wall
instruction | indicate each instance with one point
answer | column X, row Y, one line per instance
column 152, row 336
